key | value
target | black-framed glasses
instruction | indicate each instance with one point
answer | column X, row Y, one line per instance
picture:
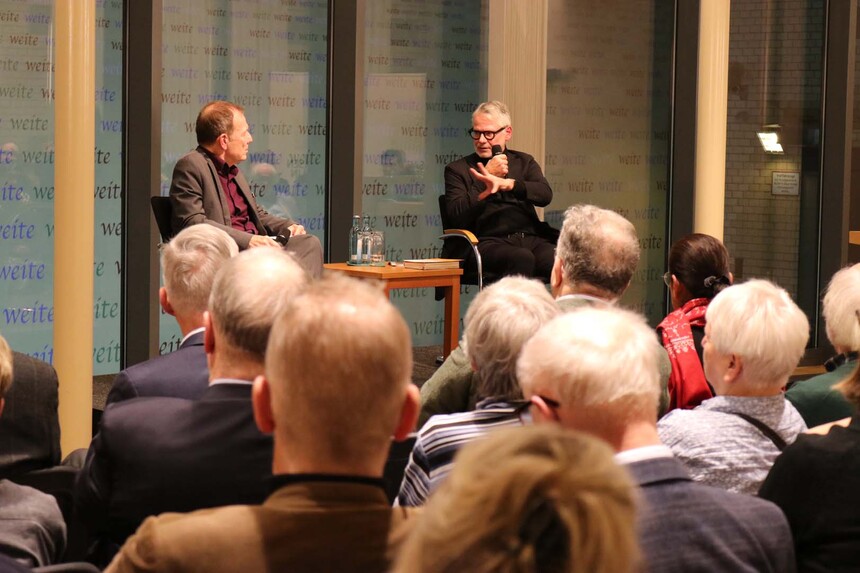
column 667, row 278
column 522, row 406
column 488, row 135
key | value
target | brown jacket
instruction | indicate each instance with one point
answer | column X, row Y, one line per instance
column 304, row 526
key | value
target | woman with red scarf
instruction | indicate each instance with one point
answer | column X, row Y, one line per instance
column 698, row 270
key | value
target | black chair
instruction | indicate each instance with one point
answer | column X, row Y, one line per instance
column 163, row 211
column 395, row 465
column 461, row 242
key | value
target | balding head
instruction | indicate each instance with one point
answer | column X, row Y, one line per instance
column 338, row 378
column 600, row 364
column 249, row 292
column 5, row 367
column 598, row 252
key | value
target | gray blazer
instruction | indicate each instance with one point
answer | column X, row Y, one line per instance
column 686, row 526
column 196, row 197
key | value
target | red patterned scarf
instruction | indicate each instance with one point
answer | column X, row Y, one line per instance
column 687, row 385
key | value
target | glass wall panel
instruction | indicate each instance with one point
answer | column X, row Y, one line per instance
column 270, row 57
column 425, row 71
column 27, row 179
column 607, row 122
column 772, row 196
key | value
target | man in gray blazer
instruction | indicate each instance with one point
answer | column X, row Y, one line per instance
column 596, row 370
column 208, row 187
column 189, row 263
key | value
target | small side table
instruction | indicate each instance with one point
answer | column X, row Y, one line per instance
column 401, row 277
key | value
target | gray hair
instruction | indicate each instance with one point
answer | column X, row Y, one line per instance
column 841, row 306
column 603, row 357
column 249, row 292
column 496, row 110
column 499, row 321
column 759, row 322
column 190, row 262
column 5, row 367
column 598, row 247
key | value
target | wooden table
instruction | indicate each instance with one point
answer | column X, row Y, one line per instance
column 400, row 277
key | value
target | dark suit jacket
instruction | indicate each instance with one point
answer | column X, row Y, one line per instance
column 180, row 374
column 153, row 455
column 196, row 197
column 686, row 526
column 488, row 218
column 30, row 426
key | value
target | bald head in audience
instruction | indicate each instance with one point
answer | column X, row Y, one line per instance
column 5, row 370
column 597, row 253
column 338, row 384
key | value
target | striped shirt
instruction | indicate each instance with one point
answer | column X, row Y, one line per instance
column 720, row 448
column 441, row 437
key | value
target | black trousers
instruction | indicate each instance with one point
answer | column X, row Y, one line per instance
column 517, row 254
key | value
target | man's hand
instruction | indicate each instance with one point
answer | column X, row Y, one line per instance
column 498, row 165
column 492, row 183
column 297, row 230
column 262, row 241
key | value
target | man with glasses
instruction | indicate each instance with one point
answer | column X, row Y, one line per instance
column 493, row 193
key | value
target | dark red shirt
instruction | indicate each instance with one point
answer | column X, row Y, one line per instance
column 239, row 218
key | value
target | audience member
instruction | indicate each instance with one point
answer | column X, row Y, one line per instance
column 698, row 270
column 32, row 530
column 208, row 187
column 815, row 399
column 754, row 338
column 536, row 499
column 189, row 263
column 499, row 321
column 336, row 389
column 596, row 371
column 153, row 455
column 816, row 482
column 30, row 424
column 597, row 254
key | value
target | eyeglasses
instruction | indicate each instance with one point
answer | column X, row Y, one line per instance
column 667, row 278
column 522, row 406
column 488, row 135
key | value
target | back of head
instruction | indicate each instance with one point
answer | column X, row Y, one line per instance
column 600, row 359
column 248, row 293
column 598, row 247
column 700, row 263
column 215, row 118
column 499, row 321
column 841, row 307
column 496, row 110
column 338, row 364
column 190, row 262
column 759, row 322
column 534, row 499
column 5, row 367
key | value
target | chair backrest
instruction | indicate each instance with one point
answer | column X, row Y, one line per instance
column 443, row 211
column 163, row 211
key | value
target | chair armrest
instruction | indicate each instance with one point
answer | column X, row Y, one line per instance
column 463, row 233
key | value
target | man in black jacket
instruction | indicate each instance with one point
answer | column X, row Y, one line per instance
column 493, row 193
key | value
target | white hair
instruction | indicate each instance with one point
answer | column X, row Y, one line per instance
column 249, row 292
column 841, row 307
column 189, row 263
column 496, row 110
column 499, row 321
column 759, row 322
column 596, row 356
